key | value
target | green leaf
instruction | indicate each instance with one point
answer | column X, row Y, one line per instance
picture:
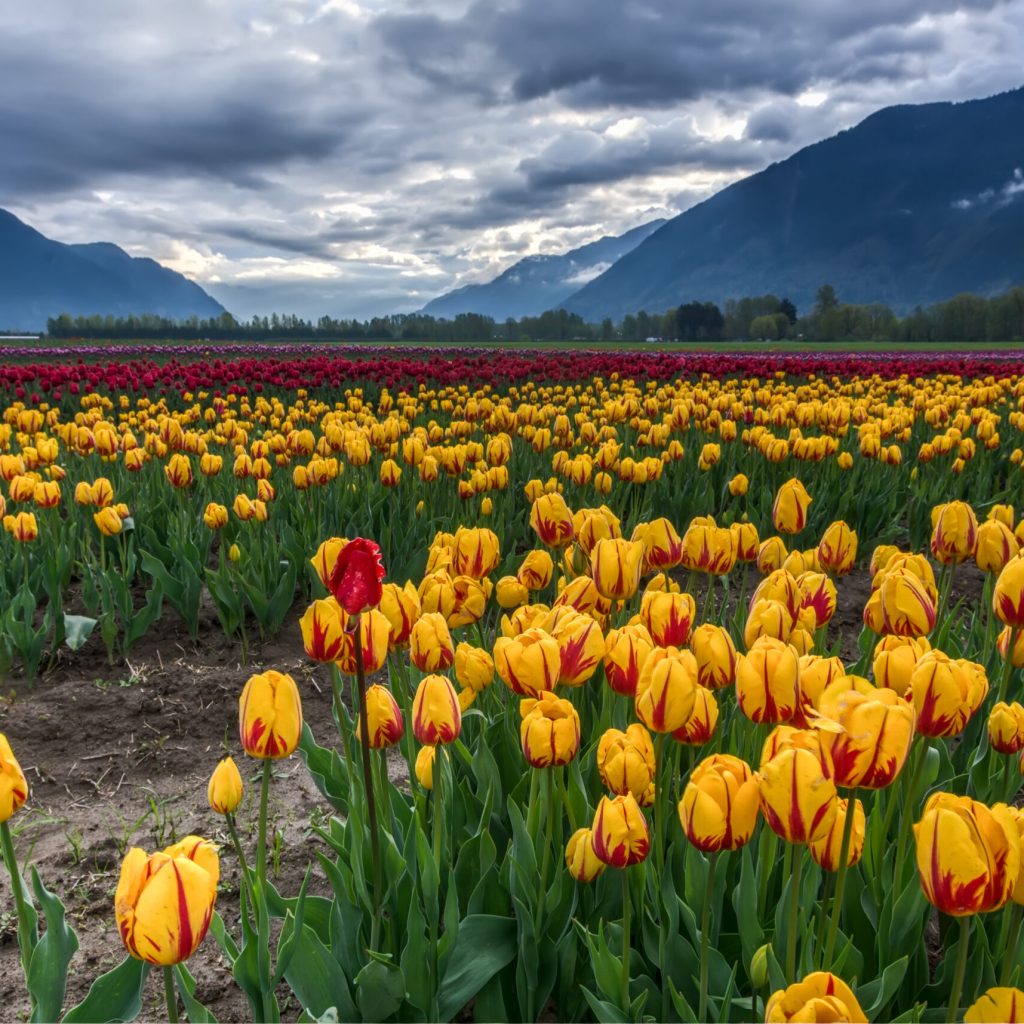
column 114, row 996
column 875, row 994
column 317, row 979
column 48, row 969
column 380, row 989
column 486, row 944
column 77, row 629
column 186, row 985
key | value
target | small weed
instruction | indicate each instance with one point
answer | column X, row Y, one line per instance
column 74, row 838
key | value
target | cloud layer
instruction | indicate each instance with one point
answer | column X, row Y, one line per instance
column 360, row 156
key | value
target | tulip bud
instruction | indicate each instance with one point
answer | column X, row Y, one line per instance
column 425, row 766
column 225, row 789
column 270, row 715
column 968, row 855
column 1008, row 596
column 797, row 798
column 1006, row 728
column 474, row 668
column 759, row 967
column 107, row 521
column 164, row 901
column 583, row 863
column 549, row 731
column 996, row 546
column 615, row 566
column 767, row 676
column 789, row 512
column 401, row 607
column 383, row 718
column 620, row 833
column 626, row 762
column 837, row 551
column 820, row 996
column 436, row 716
column 666, row 689
column 719, row 807
column 625, row 651
column 551, row 520
column 13, row 785
column 528, row 663
column 668, row 617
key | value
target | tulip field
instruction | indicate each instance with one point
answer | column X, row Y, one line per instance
column 376, row 684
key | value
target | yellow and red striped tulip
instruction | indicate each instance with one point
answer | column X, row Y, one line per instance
column 720, row 804
column 383, row 718
column 535, row 570
column 996, row 546
column 820, row 996
column 549, row 731
column 715, row 653
column 837, row 550
column 954, row 532
column 582, row 862
column 621, row 837
column 580, row 644
column 476, row 552
column 895, row 659
column 551, row 520
column 1006, row 727
column 625, row 651
column 768, row 618
column 789, row 511
column 797, row 797
column 662, row 547
column 430, row 643
column 700, row 726
column 767, row 681
column 401, row 607
column 745, row 541
column 667, row 689
column 13, row 784
column 436, row 715
column 826, row 852
column 528, row 663
column 626, row 762
column 1008, row 595
column 668, row 617
column 474, row 667
column 270, row 715
column 997, row 1006
column 771, row 555
column 946, row 692
column 816, row 674
column 323, row 629
column 615, row 566
column 374, row 631
column 225, row 788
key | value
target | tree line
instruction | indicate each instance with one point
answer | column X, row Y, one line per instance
column 966, row 318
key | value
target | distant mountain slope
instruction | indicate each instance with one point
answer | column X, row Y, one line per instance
column 913, row 205
column 40, row 278
column 538, row 283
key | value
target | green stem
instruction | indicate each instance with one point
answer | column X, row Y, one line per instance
column 705, row 936
column 240, row 853
column 794, row 909
column 959, row 970
column 1016, row 916
column 261, row 837
column 660, row 792
column 909, row 813
column 341, row 713
column 823, row 914
column 1004, row 680
column 435, row 799
column 545, row 863
column 625, row 938
column 25, row 943
column 170, row 996
column 844, row 856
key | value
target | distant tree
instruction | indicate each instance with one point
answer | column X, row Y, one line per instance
column 699, row 321
column 826, row 299
column 787, row 307
column 607, row 329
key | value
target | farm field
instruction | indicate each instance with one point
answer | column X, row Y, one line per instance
column 691, row 679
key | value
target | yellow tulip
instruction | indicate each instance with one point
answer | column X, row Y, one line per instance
column 13, row 785
column 895, row 659
column 745, row 541
column 225, row 789
column 626, row 762
column 738, row 485
column 476, row 552
column 625, row 651
column 383, row 718
column 551, row 520
column 767, row 618
column 720, row 804
column 789, row 512
column 401, row 607
column 535, row 570
column 997, row 1006
column 715, row 652
column 668, row 617
column 1008, row 596
column 837, row 550
column 511, row 593
column 620, row 833
column 22, row 527
column 430, row 643
column 767, row 681
column 826, row 852
column 954, row 532
column 946, row 693
column 901, row 606
column 425, row 766
column 582, row 863
column 996, row 546
column 662, row 547
column 818, row 997
column 771, row 554
column 270, row 715
column 1006, row 727
column 549, row 731
column 615, row 566
column 700, row 726
column 164, row 901
column 580, row 644
column 797, row 797
column 436, row 715
column 107, row 521
column 323, row 629
column 666, row 689
column 528, row 663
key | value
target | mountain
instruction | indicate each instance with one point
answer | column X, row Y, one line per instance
column 913, row 205
column 538, row 283
column 40, row 278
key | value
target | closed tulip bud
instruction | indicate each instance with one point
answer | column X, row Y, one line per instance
column 210, row 464
column 625, row 651
column 436, row 716
column 528, row 663
column 1008, row 596
column 615, row 566
column 583, row 595
column 164, row 901
column 102, row 492
column 626, row 762
column 83, row 494
column 1003, row 646
column 968, row 855
column 819, row 997
column 700, row 726
column 593, row 524
column 225, row 789
column 1006, row 728
column 270, row 715
column 827, row 850
column 549, row 731
column 738, row 485
column 179, row 471
column 997, row 1006
column 383, row 718
column 946, row 693
column 582, row 862
column 390, row 473
column 789, row 512
column 425, row 767
column 901, row 606
column 895, row 659
column 511, row 593
column 667, row 689
column 797, row 797
column 668, row 617
column 817, row 596
column 708, row 548
column 474, row 668
column 46, row 494
column 767, row 681
column 551, row 520
column 580, row 644
column 663, row 548
column 401, row 607
column 430, row 643
column 215, row 516
column 13, row 785
column 715, row 653
column 954, row 532
column 536, row 570
column 476, row 552
column 746, row 541
column 1004, row 514
column 374, row 637
column 877, row 731
column 767, row 618
column 22, row 527
column 837, row 550
column 621, row 836
column 323, row 630
column 996, row 546
column 720, row 804
column 771, row 554
column 107, row 521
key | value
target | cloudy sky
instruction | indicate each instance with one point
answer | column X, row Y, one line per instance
column 356, row 157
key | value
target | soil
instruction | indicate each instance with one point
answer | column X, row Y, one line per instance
column 121, row 756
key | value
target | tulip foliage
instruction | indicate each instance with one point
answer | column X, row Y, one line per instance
column 602, row 751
